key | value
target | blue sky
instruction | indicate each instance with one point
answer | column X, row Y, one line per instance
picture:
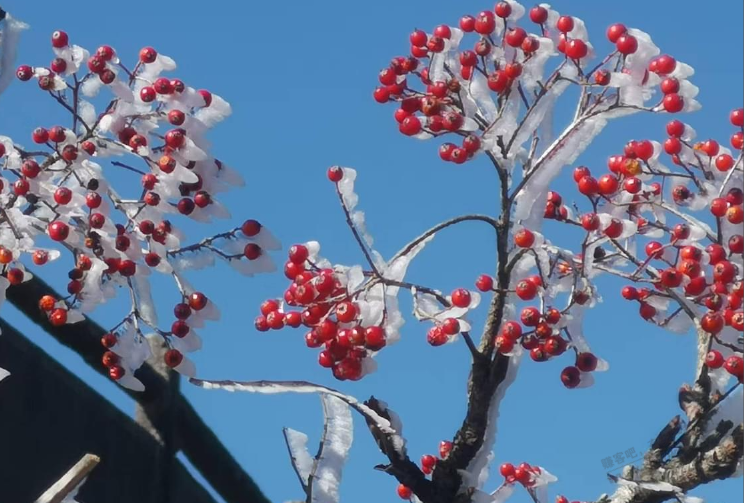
column 299, row 76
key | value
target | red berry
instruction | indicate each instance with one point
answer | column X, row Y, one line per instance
column 410, row 126
column 626, row 44
column 576, row 49
column 250, row 228
column 175, row 138
column 461, row 297
column 506, row 470
column 485, row 23
column 30, row 168
column 498, row 81
column 173, row 358
column 580, row 172
column 586, row 362
column 58, row 317
column 737, row 117
column 96, row 65
column 511, row 330
column 252, row 251
column 418, row 38
column 503, row 9
column 374, row 338
column 615, row 229
column 714, row 359
column 608, row 184
column 515, row 36
column 58, row 231
column 298, row 254
column 526, row 290
column 734, row 366
column 538, row 14
column 724, row 162
column 564, row 24
column 69, row 153
column 206, row 96
column 60, row 39
column 404, row 492
column 346, row 312
column 588, row 186
column 198, row 301
column 530, row 316
column 570, row 377
column 40, row 135
column 665, row 64
column 147, row 55
column 484, row 283
column 451, row 326
column 24, row 73
column 673, row 103
column 524, row 238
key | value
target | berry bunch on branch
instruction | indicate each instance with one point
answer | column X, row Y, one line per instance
column 664, row 216
column 111, row 188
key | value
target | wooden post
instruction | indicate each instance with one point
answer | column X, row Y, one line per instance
column 70, row 481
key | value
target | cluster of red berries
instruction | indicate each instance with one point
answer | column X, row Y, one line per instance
column 64, row 182
column 734, row 364
column 684, row 265
column 524, row 473
column 443, row 330
column 101, row 64
column 540, row 336
column 438, row 109
column 428, row 463
column 55, row 310
column 663, row 66
column 194, row 302
column 709, row 276
column 331, row 312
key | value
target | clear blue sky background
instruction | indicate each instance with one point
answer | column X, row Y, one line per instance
column 299, row 76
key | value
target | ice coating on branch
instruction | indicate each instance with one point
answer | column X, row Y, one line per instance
column 335, row 444
column 271, row 387
column 189, row 343
column 537, row 115
column 650, row 486
column 729, row 409
column 216, row 112
column 477, row 470
column 74, row 55
column 540, row 482
column 263, row 264
column 502, row 494
column 350, row 199
column 300, row 457
column 479, row 98
column 145, row 304
column 397, row 439
column 186, row 367
column 9, row 38
column 563, row 151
